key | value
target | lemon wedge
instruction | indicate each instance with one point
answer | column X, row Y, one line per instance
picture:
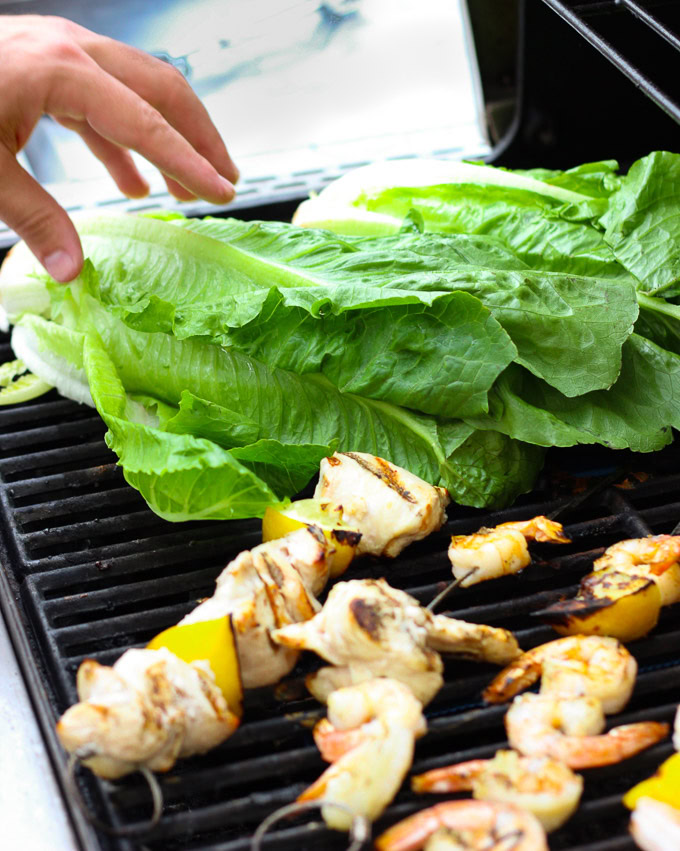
column 608, row 603
column 663, row 786
column 212, row 641
column 282, row 520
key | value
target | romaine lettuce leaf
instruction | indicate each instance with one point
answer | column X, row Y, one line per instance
column 291, row 422
column 545, row 314
column 643, row 223
column 637, row 413
column 441, row 359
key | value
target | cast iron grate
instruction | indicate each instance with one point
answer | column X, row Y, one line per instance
column 89, row 571
column 639, row 37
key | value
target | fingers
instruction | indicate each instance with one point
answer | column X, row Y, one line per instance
column 120, row 164
column 178, row 190
column 118, row 161
column 37, row 218
column 164, row 88
column 121, row 116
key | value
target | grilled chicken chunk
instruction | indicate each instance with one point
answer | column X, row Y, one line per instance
column 368, row 629
column 149, row 709
column 388, row 505
column 267, row 587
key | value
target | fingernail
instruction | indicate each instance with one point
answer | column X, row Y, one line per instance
column 229, row 187
column 61, row 266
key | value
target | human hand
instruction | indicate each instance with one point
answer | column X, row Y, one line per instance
column 118, row 99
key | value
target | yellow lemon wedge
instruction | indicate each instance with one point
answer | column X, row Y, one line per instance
column 213, row 641
column 608, row 603
column 282, row 520
column 663, row 785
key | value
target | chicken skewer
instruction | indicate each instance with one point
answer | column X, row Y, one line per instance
column 391, row 507
column 270, row 586
column 380, row 640
column 367, row 629
column 149, row 709
column 128, row 715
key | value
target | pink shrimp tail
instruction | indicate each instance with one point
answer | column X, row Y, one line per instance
column 450, row 778
column 612, row 747
column 413, row 832
column 333, row 743
column 515, row 678
column 667, row 554
column 539, row 528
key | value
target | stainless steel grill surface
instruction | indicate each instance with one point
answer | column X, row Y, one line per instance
column 88, row 571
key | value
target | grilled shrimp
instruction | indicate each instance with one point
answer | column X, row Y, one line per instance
column 372, row 728
column 655, row 557
column 655, row 826
column 578, row 665
column 491, row 553
column 658, row 551
column 466, row 826
column 566, row 729
column 547, row 788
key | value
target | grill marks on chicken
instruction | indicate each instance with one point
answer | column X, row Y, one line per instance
column 390, row 506
column 150, row 708
column 270, row 586
column 385, row 668
column 385, row 471
column 368, row 629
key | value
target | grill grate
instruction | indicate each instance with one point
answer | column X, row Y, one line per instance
column 638, row 38
column 89, row 571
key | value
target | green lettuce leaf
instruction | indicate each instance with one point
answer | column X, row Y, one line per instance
column 545, row 314
column 490, row 469
column 637, row 413
column 643, row 223
column 439, row 359
column 548, row 218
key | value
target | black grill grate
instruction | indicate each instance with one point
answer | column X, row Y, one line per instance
column 638, row 38
column 89, row 571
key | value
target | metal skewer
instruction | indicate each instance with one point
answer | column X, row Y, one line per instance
column 359, row 832
column 578, row 498
column 449, row 588
column 575, row 501
column 124, row 831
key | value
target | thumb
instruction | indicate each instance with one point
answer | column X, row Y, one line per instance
column 38, row 219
